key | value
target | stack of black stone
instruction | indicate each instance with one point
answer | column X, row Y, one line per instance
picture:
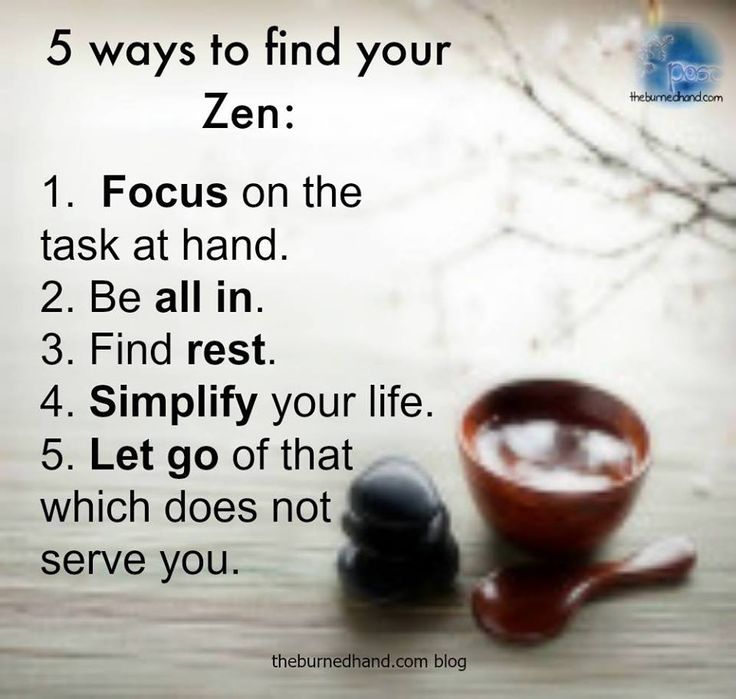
column 399, row 528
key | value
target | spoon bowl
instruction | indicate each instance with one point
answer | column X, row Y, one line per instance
column 531, row 603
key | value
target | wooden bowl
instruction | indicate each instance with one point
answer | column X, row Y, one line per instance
column 553, row 522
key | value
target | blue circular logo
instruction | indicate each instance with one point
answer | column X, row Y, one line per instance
column 680, row 60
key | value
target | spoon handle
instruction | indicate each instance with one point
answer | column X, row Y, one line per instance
column 665, row 560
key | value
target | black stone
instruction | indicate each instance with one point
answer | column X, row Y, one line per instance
column 401, row 544
column 384, row 579
column 393, row 539
column 394, row 490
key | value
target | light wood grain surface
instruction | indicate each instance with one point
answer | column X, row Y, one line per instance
column 215, row 636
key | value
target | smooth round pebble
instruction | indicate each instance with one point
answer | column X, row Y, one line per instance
column 397, row 540
column 384, row 579
column 394, row 490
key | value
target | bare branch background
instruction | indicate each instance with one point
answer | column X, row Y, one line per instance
column 660, row 174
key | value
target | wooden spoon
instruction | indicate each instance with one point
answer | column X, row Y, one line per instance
column 531, row 603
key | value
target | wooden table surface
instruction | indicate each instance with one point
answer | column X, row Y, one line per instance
column 214, row 636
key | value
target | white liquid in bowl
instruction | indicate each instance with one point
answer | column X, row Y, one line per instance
column 553, row 456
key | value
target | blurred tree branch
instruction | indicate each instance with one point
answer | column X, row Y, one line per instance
column 521, row 81
column 690, row 178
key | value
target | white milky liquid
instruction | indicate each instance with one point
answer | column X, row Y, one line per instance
column 548, row 455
